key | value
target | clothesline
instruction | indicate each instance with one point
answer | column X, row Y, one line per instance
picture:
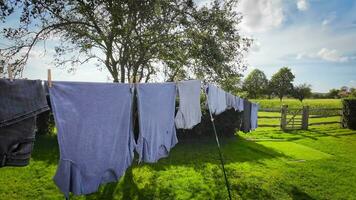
column 82, row 121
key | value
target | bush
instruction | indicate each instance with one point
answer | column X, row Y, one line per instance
column 349, row 113
column 227, row 123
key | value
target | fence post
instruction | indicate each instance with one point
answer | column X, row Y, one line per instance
column 284, row 117
column 305, row 118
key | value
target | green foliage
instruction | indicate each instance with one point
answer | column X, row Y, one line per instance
column 134, row 40
column 343, row 92
column 301, row 92
column 255, row 84
column 349, row 113
column 281, row 82
column 334, row 93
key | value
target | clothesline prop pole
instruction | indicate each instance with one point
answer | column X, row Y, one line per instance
column 49, row 78
column 9, row 71
column 219, row 149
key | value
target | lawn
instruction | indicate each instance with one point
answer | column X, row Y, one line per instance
column 294, row 103
column 266, row 164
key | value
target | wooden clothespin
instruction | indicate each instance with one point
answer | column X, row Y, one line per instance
column 175, row 79
column 9, row 71
column 49, row 78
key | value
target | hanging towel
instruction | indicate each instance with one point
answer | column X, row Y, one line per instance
column 246, row 119
column 156, row 108
column 189, row 112
column 254, row 116
column 20, row 102
column 230, row 101
column 94, row 134
column 216, row 99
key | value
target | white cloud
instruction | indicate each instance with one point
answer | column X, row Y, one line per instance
column 256, row 46
column 352, row 83
column 300, row 56
column 260, row 15
column 331, row 55
column 325, row 22
column 329, row 19
column 302, row 5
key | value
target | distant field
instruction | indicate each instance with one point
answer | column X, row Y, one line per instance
column 294, row 103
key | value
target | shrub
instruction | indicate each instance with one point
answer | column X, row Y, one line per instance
column 349, row 113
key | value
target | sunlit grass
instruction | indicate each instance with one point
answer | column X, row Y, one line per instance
column 266, row 164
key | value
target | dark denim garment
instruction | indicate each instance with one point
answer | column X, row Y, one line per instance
column 20, row 99
column 16, row 142
column 95, row 135
column 156, row 108
column 20, row 102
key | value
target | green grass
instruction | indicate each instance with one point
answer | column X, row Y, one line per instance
column 265, row 164
column 294, row 103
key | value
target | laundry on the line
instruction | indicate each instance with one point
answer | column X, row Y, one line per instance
column 20, row 102
column 156, row 108
column 95, row 127
column 254, row 116
column 216, row 99
column 189, row 111
column 94, row 134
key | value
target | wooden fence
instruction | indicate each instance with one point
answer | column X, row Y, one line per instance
column 299, row 118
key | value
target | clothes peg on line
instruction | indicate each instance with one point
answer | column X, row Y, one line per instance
column 9, row 71
column 49, row 78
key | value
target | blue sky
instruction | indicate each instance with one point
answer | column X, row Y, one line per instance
column 315, row 38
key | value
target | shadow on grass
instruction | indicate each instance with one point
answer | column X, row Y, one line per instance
column 312, row 133
column 299, row 195
column 189, row 158
column 191, row 155
column 46, row 149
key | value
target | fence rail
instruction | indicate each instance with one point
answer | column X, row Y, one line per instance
column 269, row 125
column 323, row 123
column 270, row 110
column 296, row 118
column 324, row 116
column 269, row 117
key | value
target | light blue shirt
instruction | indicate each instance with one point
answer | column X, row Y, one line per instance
column 156, row 108
column 94, row 134
column 189, row 112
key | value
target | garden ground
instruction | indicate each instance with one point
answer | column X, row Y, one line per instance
column 266, row 164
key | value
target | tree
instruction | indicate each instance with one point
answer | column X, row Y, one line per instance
column 269, row 90
column 255, row 84
column 133, row 40
column 302, row 91
column 281, row 82
column 333, row 93
column 353, row 92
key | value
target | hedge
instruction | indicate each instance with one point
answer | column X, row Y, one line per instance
column 349, row 113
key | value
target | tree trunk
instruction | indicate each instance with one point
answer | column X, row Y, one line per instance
column 122, row 70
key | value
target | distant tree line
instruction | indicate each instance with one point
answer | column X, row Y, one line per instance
column 343, row 92
column 256, row 85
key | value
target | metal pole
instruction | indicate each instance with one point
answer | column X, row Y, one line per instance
column 220, row 153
